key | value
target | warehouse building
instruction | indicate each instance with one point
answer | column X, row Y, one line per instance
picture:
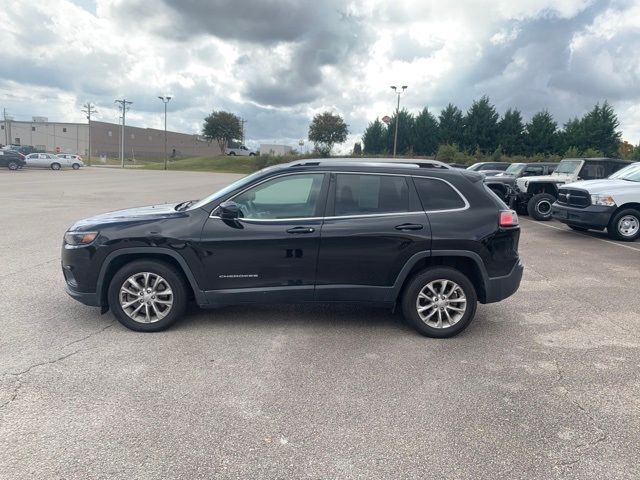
column 59, row 137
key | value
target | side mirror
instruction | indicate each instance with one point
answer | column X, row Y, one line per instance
column 229, row 210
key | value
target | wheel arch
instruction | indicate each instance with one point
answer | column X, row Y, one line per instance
column 543, row 187
column 467, row 262
column 116, row 260
column 625, row 206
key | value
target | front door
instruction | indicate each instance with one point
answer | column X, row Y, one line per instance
column 374, row 224
column 271, row 252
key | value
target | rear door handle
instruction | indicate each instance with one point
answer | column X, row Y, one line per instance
column 409, row 226
column 301, row 230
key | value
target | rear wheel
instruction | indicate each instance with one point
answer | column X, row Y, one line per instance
column 55, row 166
column 75, row 166
column 13, row 165
column 233, row 154
column 147, row 295
column 439, row 302
column 539, row 207
column 625, row 225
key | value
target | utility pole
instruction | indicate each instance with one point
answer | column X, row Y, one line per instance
column 165, row 100
column 242, row 122
column 124, row 106
column 88, row 110
column 395, row 135
column 6, row 127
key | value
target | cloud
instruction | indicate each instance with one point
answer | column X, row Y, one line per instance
column 278, row 62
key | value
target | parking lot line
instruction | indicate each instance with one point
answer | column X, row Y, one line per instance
column 580, row 233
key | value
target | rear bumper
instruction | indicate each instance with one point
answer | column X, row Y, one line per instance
column 90, row 299
column 499, row 288
column 594, row 216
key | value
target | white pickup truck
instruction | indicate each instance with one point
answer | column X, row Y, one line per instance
column 240, row 151
column 612, row 203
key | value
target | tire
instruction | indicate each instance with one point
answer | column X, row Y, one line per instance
column 171, row 280
column 233, row 154
column 412, row 298
column 625, row 225
column 75, row 166
column 539, row 206
column 252, row 154
column 13, row 165
column 55, row 166
column 577, row 228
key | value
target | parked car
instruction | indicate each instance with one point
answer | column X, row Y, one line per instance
column 612, row 203
column 11, row 159
column 457, row 165
column 70, row 159
column 49, row 160
column 536, row 194
column 435, row 241
column 489, row 167
column 503, row 183
column 240, row 151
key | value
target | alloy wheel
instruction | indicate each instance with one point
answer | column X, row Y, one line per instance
column 441, row 303
column 146, row 297
column 544, row 208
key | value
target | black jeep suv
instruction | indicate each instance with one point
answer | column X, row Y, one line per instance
column 433, row 239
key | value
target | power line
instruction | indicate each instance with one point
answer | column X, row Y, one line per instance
column 124, row 106
column 88, row 110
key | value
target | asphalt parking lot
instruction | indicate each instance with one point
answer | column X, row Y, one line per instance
column 543, row 385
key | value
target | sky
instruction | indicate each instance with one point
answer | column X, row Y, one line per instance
column 276, row 63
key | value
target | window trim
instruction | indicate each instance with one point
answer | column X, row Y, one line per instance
column 335, row 217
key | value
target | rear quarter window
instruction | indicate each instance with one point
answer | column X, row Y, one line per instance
column 438, row 195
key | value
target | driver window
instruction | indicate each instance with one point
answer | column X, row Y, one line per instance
column 292, row 196
column 534, row 170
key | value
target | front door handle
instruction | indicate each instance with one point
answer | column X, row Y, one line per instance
column 409, row 226
column 301, row 230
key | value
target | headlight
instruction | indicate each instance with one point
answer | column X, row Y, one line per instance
column 79, row 238
column 604, row 200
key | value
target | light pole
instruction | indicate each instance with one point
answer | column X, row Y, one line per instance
column 165, row 100
column 395, row 135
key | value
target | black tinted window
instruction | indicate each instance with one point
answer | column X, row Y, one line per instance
column 370, row 194
column 437, row 195
column 592, row 171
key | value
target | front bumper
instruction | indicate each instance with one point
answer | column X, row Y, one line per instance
column 499, row 288
column 90, row 299
column 593, row 216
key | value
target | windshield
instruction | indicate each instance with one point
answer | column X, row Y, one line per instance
column 631, row 173
column 568, row 166
column 515, row 168
column 230, row 188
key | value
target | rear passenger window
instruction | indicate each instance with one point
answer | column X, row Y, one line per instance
column 370, row 194
column 437, row 195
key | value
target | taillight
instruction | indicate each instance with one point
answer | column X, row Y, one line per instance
column 508, row 218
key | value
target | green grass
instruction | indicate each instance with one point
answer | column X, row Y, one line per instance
column 222, row 163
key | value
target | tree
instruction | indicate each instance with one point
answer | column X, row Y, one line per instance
column 511, row 133
column 425, row 133
column 405, row 132
column 374, row 138
column 573, row 136
column 450, row 125
column 326, row 130
column 541, row 135
column 600, row 130
column 357, row 149
column 481, row 126
column 223, row 127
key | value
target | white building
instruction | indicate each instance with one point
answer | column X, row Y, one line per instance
column 46, row 136
column 275, row 150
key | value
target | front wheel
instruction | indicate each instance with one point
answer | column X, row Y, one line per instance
column 625, row 225
column 55, row 166
column 439, row 302
column 147, row 295
column 539, row 207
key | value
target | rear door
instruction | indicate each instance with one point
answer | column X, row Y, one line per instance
column 374, row 225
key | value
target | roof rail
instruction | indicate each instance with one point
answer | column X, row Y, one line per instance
column 372, row 162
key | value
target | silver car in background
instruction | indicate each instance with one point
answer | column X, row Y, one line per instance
column 54, row 162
